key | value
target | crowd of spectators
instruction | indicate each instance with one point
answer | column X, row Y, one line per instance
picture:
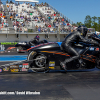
column 3, row 18
column 24, row 19
column 55, row 18
column 18, row 20
column 27, row 17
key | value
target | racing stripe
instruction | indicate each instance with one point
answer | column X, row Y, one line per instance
column 55, row 52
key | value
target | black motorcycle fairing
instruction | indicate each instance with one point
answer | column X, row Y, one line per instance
column 33, row 42
column 24, row 46
column 37, row 42
column 27, row 45
column 46, row 46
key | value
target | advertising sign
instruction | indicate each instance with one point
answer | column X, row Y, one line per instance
column 5, row 45
column 6, row 69
column 25, row 65
column 14, row 66
column 52, row 63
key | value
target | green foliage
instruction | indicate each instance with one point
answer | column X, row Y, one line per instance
column 91, row 22
column 88, row 21
column 98, row 23
column 7, row 1
column 79, row 23
column 94, row 23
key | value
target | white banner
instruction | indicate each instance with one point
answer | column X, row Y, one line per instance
column 36, row 1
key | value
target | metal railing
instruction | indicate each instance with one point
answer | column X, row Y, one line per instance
column 10, row 30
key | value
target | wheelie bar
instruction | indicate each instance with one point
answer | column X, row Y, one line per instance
column 14, row 63
column 21, row 62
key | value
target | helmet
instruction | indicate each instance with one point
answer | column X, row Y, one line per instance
column 83, row 30
column 37, row 37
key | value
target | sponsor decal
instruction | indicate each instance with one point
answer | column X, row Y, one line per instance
column 97, row 49
column 0, row 70
column 51, row 67
column 52, row 63
column 14, row 66
column 91, row 48
column 21, row 66
column 6, row 69
column 14, row 70
column 25, row 65
column 9, row 43
column 24, row 69
column 2, row 47
column 22, row 43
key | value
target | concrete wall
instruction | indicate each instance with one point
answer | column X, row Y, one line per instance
column 4, row 37
column 26, row 37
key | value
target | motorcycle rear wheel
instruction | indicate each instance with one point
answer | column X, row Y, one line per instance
column 38, row 64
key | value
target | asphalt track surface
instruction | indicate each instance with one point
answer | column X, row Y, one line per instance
column 55, row 85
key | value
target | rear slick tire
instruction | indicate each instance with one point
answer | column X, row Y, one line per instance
column 37, row 63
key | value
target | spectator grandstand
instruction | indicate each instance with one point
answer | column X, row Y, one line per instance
column 38, row 18
column 22, row 21
column 3, row 19
column 25, row 15
column 55, row 18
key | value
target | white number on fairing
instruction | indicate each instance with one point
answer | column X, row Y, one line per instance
column 22, row 43
column 25, row 66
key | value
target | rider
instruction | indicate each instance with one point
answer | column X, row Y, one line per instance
column 67, row 44
column 35, row 41
column 37, row 38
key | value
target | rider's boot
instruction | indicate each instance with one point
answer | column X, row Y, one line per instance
column 63, row 65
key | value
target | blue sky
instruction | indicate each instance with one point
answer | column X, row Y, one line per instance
column 76, row 10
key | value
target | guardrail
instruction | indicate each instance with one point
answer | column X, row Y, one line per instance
column 10, row 30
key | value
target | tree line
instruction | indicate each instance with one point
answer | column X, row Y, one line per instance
column 91, row 22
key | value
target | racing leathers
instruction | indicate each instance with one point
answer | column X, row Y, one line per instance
column 67, row 46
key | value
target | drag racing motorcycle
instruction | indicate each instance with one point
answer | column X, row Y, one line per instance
column 22, row 47
column 27, row 45
column 45, row 57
